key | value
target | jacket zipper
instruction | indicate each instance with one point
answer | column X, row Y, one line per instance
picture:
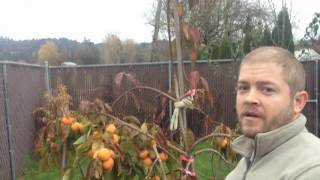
column 251, row 162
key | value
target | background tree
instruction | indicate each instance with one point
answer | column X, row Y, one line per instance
column 312, row 35
column 49, row 52
column 282, row 31
column 67, row 49
column 143, row 52
column 111, row 50
column 247, row 36
column 156, row 29
column 225, row 49
column 129, row 51
column 87, row 53
column 267, row 38
column 241, row 20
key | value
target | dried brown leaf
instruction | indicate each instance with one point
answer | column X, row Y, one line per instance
column 100, row 105
column 87, row 107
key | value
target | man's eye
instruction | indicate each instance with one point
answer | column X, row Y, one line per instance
column 242, row 88
column 268, row 90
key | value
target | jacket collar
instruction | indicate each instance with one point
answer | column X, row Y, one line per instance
column 266, row 142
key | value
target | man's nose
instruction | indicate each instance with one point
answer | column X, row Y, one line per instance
column 252, row 96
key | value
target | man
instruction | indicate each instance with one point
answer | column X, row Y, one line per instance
column 275, row 144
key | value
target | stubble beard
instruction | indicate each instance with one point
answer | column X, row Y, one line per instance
column 284, row 117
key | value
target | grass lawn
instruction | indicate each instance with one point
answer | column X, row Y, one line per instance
column 31, row 172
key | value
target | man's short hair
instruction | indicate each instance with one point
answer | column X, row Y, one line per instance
column 292, row 70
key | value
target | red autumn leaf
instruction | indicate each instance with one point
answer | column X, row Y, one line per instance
column 204, row 83
column 194, row 79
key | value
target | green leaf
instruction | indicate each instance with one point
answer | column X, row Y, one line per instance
column 144, row 128
column 66, row 175
column 80, row 140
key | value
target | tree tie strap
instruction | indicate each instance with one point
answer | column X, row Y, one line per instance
column 186, row 102
column 186, row 170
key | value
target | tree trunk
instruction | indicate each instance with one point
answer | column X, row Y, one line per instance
column 169, row 30
column 182, row 115
column 156, row 29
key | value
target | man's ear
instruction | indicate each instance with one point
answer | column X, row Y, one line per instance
column 300, row 100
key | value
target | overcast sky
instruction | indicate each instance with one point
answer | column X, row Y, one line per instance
column 94, row 19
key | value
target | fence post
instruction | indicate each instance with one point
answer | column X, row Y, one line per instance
column 8, row 122
column 317, row 98
column 47, row 77
column 170, row 88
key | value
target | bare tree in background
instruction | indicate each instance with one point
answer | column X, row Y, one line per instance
column 217, row 17
column 111, row 50
column 129, row 51
column 312, row 35
column 156, row 29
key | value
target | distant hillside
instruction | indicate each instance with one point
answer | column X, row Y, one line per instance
column 85, row 52
column 26, row 50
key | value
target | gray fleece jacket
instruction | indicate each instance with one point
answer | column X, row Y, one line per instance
column 287, row 153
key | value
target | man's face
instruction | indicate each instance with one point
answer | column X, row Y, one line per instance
column 263, row 98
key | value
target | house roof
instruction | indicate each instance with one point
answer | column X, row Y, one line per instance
column 309, row 54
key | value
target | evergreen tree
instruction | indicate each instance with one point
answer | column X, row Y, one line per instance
column 225, row 48
column 282, row 32
column 247, row 36
column 87, row 53
column 266, row 38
